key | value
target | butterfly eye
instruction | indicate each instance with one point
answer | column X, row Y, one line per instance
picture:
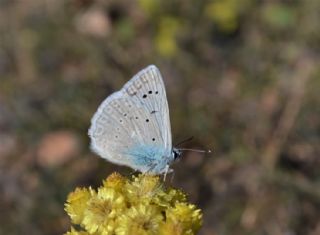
column 176, row 154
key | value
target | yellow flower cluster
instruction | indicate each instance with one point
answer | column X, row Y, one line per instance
column 139, row 206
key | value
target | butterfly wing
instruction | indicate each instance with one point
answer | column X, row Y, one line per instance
column 146, row 89
column 136, row 118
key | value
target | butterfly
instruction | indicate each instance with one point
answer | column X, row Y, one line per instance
column 132, row 126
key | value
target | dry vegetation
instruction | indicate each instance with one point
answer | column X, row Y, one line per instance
column 243, row 78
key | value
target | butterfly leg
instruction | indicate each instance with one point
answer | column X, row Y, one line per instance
column 172, row 176
column 167, row 171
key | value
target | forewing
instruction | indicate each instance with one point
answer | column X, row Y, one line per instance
column 146, row 89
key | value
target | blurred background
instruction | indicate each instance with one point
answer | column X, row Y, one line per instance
column 242, row 78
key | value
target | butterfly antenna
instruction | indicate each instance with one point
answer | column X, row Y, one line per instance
column 196, row 150
column 184, row 141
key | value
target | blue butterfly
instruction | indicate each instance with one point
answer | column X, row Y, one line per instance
column 132, row 126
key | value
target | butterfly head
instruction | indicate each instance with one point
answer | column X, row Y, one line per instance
column 176, row 153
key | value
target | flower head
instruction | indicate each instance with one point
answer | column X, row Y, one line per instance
column 142, row 188
column 182, row 220
column 141, row 219
column 115, row 181
column 102, row 210
column 77, row 202
column 169, row 198
column 140, row 205
column 185, row 216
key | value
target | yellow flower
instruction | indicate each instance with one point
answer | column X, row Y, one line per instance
column 102, row 211
column 115, row 181
column 140, row 220
column 140, row 206
column 142, row 188
column 170, row 228
column 76, row 203
column 169, row 198
column 182, row 219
